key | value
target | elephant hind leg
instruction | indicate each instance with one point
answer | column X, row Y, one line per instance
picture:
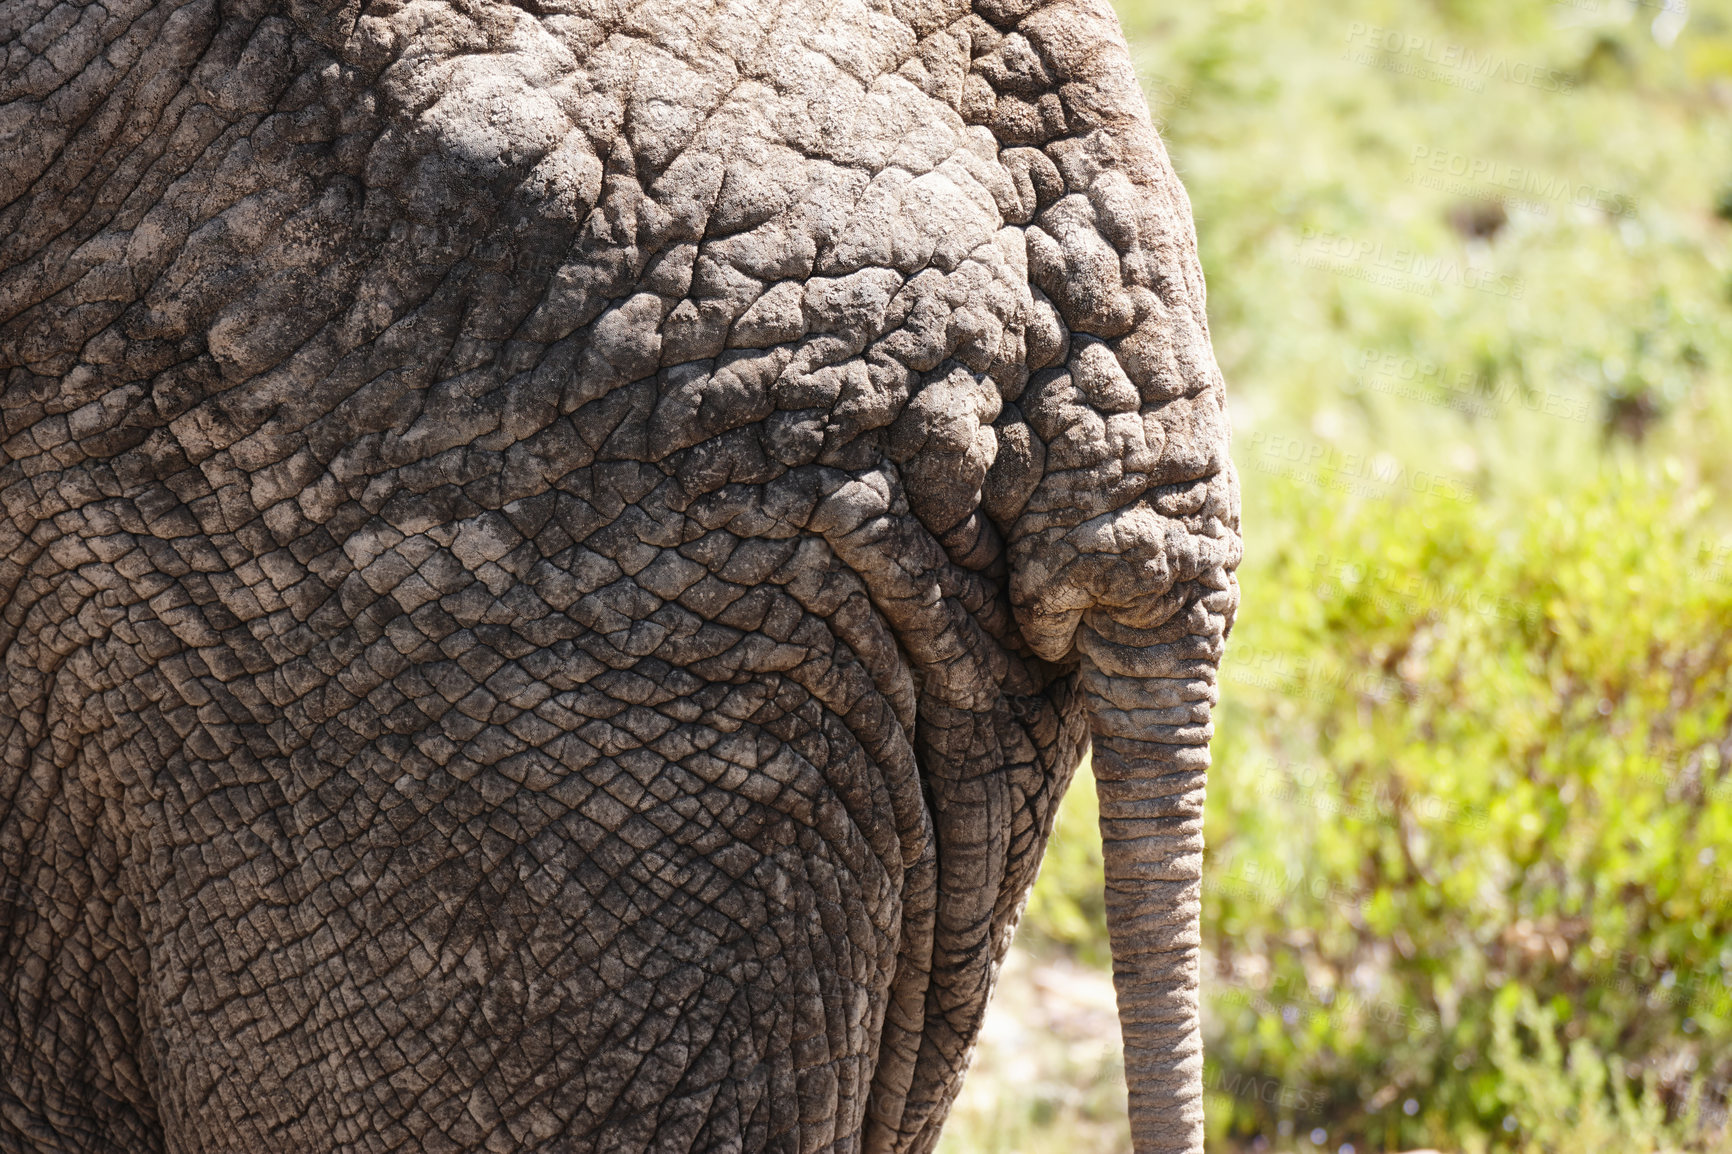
column 676, row 950
column 74, row 1060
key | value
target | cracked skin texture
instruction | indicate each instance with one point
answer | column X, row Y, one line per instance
column 557, row 559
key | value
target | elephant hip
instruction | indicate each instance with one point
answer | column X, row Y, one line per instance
column 682, row 940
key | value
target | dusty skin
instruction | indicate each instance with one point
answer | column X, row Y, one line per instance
column 557, row 559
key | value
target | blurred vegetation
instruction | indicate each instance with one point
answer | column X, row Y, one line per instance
column 1474, row 807
column 1469, row 882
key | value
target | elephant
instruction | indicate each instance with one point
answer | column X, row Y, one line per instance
column 557, row 557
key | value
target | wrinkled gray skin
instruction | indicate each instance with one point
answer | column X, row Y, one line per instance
column 556, row 560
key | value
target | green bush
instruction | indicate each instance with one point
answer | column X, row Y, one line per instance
column 1465, row 759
